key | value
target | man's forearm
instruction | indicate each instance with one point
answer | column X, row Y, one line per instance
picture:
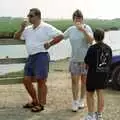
column 89, row 37
column 56, row 40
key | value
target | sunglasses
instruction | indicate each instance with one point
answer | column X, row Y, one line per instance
column 30, row 16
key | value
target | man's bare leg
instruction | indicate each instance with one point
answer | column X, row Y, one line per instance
column 75, row 86
column 30, row 89
column 42, row 91
column 83, row 92
column 83, row 87
column 42, row 94
column 75, row 92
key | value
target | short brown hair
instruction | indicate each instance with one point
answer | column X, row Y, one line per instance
column 36, row 11
column 99, row 34
column 77, row 13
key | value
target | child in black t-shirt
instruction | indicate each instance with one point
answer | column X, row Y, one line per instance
column 98, row 60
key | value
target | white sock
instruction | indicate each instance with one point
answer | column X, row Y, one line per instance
column 75, row 101
column 91, row 113
column 81, row 100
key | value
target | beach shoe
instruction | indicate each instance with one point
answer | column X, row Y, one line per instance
column 37, row 108
column 29, row 105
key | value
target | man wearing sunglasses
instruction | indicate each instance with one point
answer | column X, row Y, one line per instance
column 37, row 36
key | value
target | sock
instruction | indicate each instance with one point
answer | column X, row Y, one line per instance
column 75, row 101
column 99, row 114
column 81, row 100
column 91, row 114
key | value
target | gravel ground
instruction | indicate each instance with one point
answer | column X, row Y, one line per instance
column 59, row 100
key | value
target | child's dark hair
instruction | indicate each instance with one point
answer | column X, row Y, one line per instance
column 99, row 35
column 77, row 13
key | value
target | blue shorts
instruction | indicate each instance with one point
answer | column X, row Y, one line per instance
column 37, row 65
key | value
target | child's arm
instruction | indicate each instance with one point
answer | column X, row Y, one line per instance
column 88, row 58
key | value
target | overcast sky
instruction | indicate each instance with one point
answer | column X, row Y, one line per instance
column 106, row 9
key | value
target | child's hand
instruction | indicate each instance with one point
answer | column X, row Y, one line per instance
column 86, row 66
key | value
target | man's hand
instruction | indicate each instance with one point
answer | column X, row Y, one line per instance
column 80, row 26
column 47, row 45
column 19, row 33
column 88, row 35
column 23, row 25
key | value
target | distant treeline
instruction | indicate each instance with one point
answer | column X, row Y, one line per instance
column 9, row 25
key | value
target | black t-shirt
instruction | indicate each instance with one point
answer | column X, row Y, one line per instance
column 99, row 57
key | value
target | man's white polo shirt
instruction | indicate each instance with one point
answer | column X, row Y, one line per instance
column 35, row 38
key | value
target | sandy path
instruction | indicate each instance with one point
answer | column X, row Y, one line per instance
column 58, row 107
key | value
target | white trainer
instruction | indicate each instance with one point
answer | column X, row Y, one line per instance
column 89, row 117
column 81, row 104
column 74, row 106
column 99, row 117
